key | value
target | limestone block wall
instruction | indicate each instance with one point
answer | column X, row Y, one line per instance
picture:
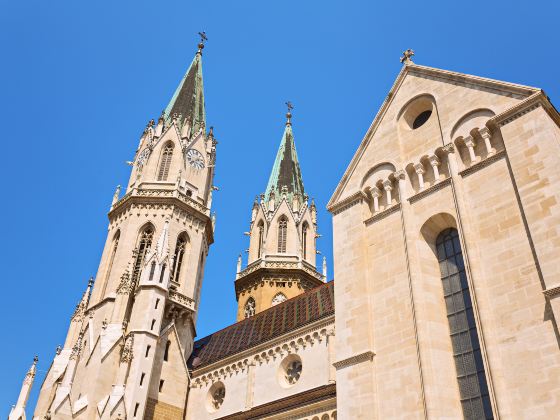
column 485, row 163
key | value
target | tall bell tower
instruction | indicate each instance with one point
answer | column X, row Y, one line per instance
column 133, row 330
column 283, row 231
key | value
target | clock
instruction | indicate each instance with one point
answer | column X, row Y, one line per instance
column 142, row 157
column 195, row 159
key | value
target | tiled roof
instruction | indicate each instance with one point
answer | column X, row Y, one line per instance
column 310, row 306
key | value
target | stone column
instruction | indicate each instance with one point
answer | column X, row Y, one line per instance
column 434, row 161
column 469, row 142
column 487, row 136
column 331, row 355
column 388, row 187
column 419, row 168
column 375, row 193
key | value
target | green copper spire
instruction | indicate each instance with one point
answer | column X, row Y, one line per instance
column 286, row 171
column 188, row 100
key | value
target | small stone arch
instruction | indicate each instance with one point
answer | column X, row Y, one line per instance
column 475, row 119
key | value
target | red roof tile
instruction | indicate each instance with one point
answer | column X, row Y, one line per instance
column 310, row 306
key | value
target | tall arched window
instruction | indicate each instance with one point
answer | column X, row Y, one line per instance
column 473, row 387
column 282, row 234
column 260, row 228
column 110, row 264
column 165, row 162
column 304, row 239
column 144, row 244
column 250, row 307
column 178, row 257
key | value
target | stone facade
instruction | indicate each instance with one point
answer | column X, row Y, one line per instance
column 446, row 243
column 484, row 163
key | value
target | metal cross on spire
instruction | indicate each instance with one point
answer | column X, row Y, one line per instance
column 407, row 56
column 203, row 39
column 289, row 114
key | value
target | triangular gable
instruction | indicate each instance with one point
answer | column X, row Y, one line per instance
column 460, row 79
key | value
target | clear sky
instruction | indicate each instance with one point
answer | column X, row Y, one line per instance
column 80, row 80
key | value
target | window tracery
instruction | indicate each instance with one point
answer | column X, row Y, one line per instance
column 261, row 234
column 304, row 239
column 178, row 257
column 144, row 245
column 282, row 234
column 165, row 162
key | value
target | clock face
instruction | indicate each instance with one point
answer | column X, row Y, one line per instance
column 195, row 159
column 142, row 157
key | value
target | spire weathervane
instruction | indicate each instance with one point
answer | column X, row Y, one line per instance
column 203, row 39
column 407, row 56
column 289, row 114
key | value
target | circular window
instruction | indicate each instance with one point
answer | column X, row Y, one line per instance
column 290, row 370
column 421, row 119
column 216, row 396
column 417, row 113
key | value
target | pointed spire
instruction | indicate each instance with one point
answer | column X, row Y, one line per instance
column 18, row 411
column 162, row 248
column 188, row 100
column 286, row 171
column 81, row 307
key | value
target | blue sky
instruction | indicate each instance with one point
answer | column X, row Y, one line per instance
column 80, row 80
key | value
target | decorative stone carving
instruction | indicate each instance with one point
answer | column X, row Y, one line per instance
column 126, row 284
column 126, row 353
column 77, row 349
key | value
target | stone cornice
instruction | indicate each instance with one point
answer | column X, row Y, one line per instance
column 307, row 329
column 354, row 360
column 483, row 163
column 171, row 197
column 383, row 214
column 348, row 202
column 430, row 190
column 256, row 272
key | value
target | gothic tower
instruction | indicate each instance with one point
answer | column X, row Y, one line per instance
column 283, row 232
column 132, row 332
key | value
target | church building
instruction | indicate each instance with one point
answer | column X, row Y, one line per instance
column 446, row 298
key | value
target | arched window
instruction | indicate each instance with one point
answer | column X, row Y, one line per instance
column 278, row 298
column 250, row 307
column 282, row 234
column 144, row 244
column 260, row 228
column 304, row 239
column 473, row 387
column 178, row 257
column 111, row 259
column 165, row 162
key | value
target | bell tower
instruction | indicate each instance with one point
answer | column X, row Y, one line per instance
column 132, row 332
column 283, row 231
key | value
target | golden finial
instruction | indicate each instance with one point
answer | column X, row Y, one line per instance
column 289, row 113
